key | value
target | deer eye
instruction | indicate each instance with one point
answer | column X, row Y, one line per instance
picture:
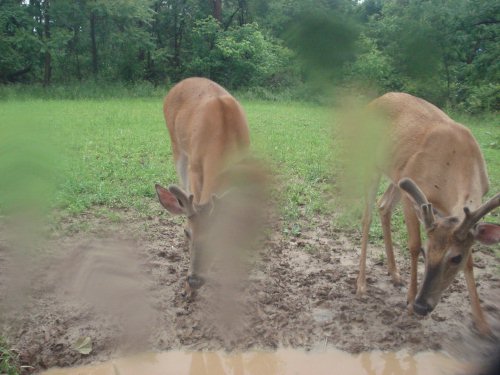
column 456, row 259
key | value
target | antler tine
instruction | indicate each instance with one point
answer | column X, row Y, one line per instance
column 428, row 215
column 408, row 185
column 472, row 218
column 186, row 201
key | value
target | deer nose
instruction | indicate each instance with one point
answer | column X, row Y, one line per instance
column 195, row 282
column 422, row 307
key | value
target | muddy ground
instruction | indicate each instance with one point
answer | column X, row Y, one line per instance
column 119, row 280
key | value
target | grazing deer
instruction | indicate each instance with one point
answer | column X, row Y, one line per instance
column 438, row 164
column 209, row 133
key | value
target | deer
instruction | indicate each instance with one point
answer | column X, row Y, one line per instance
column 209, row 133
column 435, row 166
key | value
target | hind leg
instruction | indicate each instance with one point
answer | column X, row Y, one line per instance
column 386, row 205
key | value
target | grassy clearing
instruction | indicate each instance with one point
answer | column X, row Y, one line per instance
column 78, row 154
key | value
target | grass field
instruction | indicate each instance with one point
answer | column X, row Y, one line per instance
column 74, row 155
column 67, row 156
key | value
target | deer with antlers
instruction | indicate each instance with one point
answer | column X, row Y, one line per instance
column 439, row 167
column 209, row 133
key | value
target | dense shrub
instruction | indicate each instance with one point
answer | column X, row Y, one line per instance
column 237, row 57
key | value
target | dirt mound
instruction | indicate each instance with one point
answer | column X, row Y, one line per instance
column 121, row 285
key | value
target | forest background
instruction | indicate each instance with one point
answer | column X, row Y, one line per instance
column 445, row 51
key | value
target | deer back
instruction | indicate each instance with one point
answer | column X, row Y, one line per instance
column 439, row 154
column 207, row 126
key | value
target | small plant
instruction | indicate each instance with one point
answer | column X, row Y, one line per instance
column 381, row 258
column 8, row 360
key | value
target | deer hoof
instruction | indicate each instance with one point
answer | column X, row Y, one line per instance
column 409, row 306
column 396, row 280
column 361, row 290
column 484, row 329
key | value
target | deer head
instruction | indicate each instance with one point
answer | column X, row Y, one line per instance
column 178, row 202
column 449, row 243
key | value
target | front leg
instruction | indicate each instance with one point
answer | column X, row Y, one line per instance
column 479, row 319
column 195, row 177
column 386, row 205
column 414, row 245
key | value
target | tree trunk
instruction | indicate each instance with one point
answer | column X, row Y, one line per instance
column 93, row 46
column 179, row 24
column 217, row 10
column 47, row 73
column 74, row 48
column 448, row 80
column 176, row 35
column 243, row 6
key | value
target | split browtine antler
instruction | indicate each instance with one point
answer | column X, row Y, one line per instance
column 471, row 218
column 408, row 185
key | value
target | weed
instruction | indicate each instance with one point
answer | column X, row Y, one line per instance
column 8, row 359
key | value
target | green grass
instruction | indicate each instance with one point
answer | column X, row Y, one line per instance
column 81, row 91
column 8, row 360
column 73, row 155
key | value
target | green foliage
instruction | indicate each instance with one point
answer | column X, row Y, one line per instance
column 325, row 42
column 236, row 57
column 18, row 44
column 483, row 98
column 443, row 51
column 372, row 68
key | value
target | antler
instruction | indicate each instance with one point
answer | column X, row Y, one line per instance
column 182, row 197
column 408, row 185
column 472, row 218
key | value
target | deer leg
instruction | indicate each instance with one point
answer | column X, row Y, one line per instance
column 195, row 173
column 181, row 165
column 386, row 205
column 481, row 323
column 414, row 245
column 367, row 219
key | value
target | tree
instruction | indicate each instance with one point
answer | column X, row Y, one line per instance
column 446, row 51
column 46, row 38
column 18, row 43
column 217, row 4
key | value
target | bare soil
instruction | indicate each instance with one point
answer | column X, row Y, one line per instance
column 121, row 281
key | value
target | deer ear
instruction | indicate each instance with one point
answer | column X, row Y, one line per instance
column 168, row 200
column 487, row 233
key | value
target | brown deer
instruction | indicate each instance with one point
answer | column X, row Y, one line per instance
column 438, row 164
column 209, row 133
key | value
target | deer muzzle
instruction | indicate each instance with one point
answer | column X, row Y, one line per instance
column 195, row 282
column 422, row 307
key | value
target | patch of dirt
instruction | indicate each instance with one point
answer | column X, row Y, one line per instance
column 121, row 283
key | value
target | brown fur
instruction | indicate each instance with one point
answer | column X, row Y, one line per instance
column 209, row 135
column 444, row 160
column 208, row 127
